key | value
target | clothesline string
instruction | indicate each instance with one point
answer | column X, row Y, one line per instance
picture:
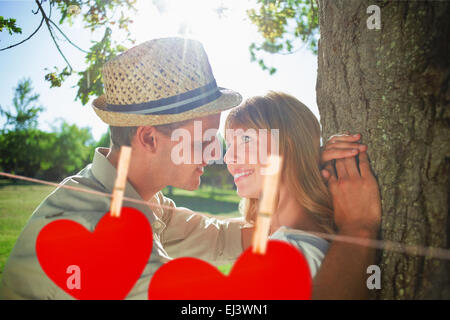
column 429, row 252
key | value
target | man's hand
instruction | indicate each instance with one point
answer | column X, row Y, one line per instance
column 357, row 213
column 356, row 198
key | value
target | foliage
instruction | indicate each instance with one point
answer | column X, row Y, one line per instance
column 56, row 78
column 10, row 25
column 96, row 15
column 31, row 152
column 47, row 155
column 26, row 111
column 281, row 23
column 217, row 175
column 69, row 152
column 23, row 150
column 90, row 83
column 103, row 142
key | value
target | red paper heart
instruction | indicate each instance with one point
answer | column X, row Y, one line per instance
column 110, row 259
column 281, row 274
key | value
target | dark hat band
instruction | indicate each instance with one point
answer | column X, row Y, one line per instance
column 173, row 105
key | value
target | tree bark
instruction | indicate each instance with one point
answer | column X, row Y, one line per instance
column 392, row 86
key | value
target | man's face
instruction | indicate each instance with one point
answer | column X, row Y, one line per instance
column 189, row 149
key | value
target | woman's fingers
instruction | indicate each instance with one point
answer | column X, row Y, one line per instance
column 336, row 144
column 328, row 173
column 335, row 153
column 344, row 137
column 341, row 146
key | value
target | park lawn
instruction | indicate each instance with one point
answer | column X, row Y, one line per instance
column 18, row 201
column 217, row 202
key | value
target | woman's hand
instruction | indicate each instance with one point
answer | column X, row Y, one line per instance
column 355, row 194
column 341, row 146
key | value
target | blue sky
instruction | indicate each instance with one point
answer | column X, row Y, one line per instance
column 225, row 40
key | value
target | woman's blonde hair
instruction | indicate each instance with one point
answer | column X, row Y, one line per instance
column 299, row 144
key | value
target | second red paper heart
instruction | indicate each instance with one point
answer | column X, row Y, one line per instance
column 281, row 274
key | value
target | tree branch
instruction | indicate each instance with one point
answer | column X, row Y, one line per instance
column 67, row 38
column 31, row 35
column 52, row 35
column 37, row 10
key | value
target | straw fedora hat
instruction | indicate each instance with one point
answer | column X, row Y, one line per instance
column 161, row 81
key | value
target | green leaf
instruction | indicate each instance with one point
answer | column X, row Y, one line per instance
column 10, row 25
column 280, row 23
column 56, row 78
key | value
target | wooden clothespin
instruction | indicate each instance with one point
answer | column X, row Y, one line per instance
column 267, row 205
column 121, row 181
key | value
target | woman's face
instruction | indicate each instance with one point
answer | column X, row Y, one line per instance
column 246, row 159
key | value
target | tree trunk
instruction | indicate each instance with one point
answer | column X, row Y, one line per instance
column 392, row 86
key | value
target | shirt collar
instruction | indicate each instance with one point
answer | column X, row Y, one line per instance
column 103, row 170
column 106, row 173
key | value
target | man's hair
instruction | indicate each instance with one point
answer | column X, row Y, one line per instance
column 122, row 136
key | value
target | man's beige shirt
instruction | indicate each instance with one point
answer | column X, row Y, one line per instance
column 176, row 234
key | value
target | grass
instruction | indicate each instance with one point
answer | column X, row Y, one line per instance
column 18, row 201
column 208, row 200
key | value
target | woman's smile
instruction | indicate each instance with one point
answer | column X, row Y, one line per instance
column 242, row 175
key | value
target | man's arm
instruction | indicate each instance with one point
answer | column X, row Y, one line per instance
column 342, row 274
column 191, row 234
column 357, row 211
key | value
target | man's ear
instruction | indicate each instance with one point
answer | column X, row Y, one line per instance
column 147, row 138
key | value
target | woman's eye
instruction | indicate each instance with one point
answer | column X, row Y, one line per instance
column 246, row 139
